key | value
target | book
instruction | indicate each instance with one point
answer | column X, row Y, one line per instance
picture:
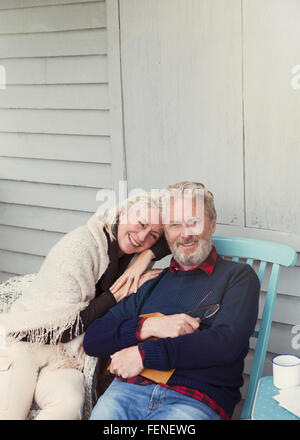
column 159, row 376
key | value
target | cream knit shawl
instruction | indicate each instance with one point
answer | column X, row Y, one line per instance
column 63, row 287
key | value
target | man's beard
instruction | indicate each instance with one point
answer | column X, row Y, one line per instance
column 192, row 258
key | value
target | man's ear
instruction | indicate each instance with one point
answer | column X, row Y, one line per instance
column 214, row 224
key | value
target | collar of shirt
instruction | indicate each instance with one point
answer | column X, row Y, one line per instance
column 207, row 266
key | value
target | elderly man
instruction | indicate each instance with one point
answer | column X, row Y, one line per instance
column 207, row 311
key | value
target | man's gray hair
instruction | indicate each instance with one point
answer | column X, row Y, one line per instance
column 193, row 189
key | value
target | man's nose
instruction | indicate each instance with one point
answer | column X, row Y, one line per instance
column 186, row 231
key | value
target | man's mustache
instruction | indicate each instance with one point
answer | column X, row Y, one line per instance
column 189, row 240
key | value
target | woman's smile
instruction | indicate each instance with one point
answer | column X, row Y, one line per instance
column 133, row 241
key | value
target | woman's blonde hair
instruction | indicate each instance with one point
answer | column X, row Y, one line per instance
column 111, row 216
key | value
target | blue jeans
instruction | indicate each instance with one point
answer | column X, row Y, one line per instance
column 124, row 401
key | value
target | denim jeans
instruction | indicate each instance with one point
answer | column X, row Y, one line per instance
column 124, row 401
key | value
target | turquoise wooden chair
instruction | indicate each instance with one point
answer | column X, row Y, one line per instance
column 265, row 252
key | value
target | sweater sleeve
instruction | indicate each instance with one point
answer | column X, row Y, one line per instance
column 219, row 344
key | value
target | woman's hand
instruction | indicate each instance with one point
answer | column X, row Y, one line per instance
column 130, row 278
column 124, row 291
column 148, row 275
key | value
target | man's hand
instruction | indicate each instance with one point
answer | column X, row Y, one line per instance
column 127, row 362
column 169, row 326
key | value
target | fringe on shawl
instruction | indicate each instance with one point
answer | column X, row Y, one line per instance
column 50, row 334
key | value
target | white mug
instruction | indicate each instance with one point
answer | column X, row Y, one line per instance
column 286, row 371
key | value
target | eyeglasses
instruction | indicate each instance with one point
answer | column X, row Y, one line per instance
column 208, row 310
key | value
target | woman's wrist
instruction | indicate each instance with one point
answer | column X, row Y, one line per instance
column 148, row 255
column 118, row 295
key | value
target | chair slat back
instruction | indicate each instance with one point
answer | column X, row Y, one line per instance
column 250, row 261
column 265, row 252
column 256, row 249
column 261, row 271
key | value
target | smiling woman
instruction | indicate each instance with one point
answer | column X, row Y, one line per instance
column 70, row 291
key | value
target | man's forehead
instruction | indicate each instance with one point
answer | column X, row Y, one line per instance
column 184, row 208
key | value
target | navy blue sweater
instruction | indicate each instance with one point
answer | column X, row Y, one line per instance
column 210, row 360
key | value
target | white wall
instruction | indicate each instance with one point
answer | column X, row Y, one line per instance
column 182, row 90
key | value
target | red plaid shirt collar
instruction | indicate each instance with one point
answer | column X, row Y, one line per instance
column 207, row 266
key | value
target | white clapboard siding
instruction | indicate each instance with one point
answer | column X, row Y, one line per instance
column 47, row 219
column 287, row 309
column 28, row 241
column 289, row 280
column 81, row 69
column 4, row 276
column 53, row 18
column 18, row 263
column 248, row 363
column 56, row 147
column 87, row 96
column 87, row 42
column 89, row 122
column 12, row 4
column 56, row 172
column 55, row 196
column 281, row 339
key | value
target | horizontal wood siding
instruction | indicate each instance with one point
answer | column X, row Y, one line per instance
column 54, row 44
column 78, row 69
column 59, row 17
column 55, row 149
column 93, row 97
column 54, row 196
column 15, row 4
